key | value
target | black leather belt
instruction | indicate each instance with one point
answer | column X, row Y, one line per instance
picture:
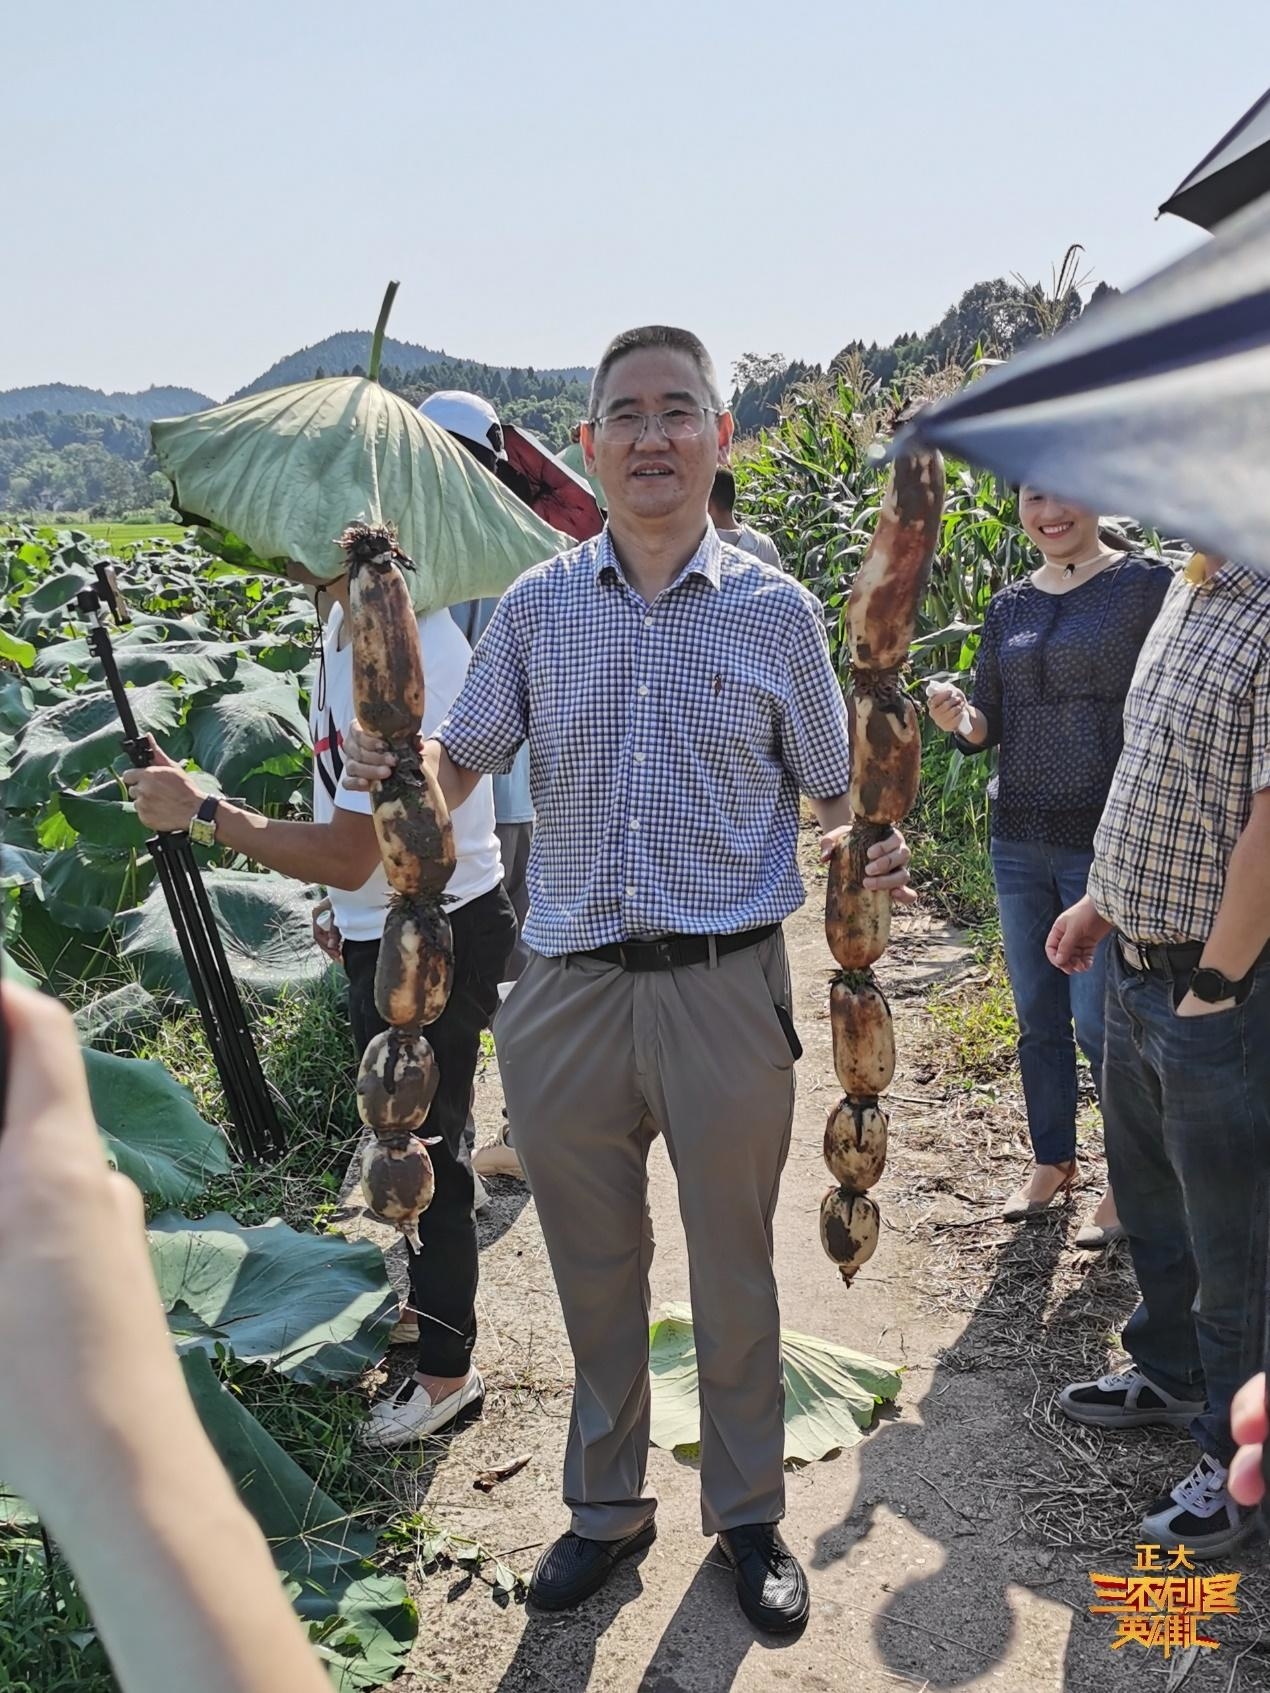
column 1155, row 960
column 1170, row 961
column 673, row 952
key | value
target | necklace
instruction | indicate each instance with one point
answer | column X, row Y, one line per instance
column 1069, row 570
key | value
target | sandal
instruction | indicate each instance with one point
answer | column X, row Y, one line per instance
column 1018, row 1206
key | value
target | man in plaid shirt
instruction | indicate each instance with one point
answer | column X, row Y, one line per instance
column 676, row 695
column 1182, row 874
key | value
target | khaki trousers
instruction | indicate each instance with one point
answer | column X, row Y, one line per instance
column 595, row 1060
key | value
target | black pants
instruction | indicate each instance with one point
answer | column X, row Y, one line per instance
column 443, row 1275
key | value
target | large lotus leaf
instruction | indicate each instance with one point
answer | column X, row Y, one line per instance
column 20, row 867
column 151, row 1128
column 574, row 457
column 16, row 704
column 236, row 732
column 100, row 814
column 265, row 925
column 150, row 658
column 21, row 653
column 81, row 736
column 287, row 470
column 314, row 1307
column 831, row 1392
column 362, row 1623
column 86, row 885
column 61, row 956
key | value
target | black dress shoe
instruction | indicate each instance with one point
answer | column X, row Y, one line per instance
column 769, row 1579
column 574, row 1568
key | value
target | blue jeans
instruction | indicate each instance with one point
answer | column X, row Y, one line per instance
column 1186, row 1109
column 1036, row 882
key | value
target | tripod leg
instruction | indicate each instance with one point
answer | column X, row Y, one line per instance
column 236, row 1032
column 185, row 921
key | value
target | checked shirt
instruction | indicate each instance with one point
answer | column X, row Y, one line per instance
column 667, row 742
column 1196, row 750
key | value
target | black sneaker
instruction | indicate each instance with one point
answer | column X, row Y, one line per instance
column 1126, row 1399
column 1199, row 1514
column 770, row 1583
column 573, row 1568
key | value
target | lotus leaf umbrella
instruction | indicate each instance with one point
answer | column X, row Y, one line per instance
column 279, row 475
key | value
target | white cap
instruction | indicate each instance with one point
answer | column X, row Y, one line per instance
column 467, row 415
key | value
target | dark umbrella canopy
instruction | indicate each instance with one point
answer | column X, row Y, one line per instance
column 1234, row 174
column 1155, row 403
column 558, row 494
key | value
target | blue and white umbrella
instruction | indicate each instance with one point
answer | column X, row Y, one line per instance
column 1156, row 403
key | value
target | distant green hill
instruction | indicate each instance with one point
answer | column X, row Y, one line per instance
column 350, row 349
column 68, row 397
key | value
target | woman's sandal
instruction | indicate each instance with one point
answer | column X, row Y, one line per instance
column 1018, row 1206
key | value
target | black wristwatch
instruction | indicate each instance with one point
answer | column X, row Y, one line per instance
column 1212, row 987
column 203, row 822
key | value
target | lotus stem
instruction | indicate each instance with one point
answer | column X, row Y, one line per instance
column 377, row 343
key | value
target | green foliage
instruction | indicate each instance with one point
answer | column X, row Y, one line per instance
column 216, row 667
column 977, row 1026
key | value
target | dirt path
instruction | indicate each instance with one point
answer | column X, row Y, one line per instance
column 952, row 1548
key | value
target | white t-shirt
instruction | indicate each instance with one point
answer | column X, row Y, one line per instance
column 360, row 915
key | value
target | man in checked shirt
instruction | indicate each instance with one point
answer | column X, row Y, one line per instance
column 676, row 695
column 1182, row 874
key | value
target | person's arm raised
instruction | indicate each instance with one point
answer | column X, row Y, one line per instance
column 97, row 1429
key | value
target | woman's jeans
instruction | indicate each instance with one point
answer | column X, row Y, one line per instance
column 1187, row 1111
column 1036, row 882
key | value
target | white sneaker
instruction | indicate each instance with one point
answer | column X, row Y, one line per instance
column 411, row 1415
column 1126, row 1399
column 1199, row 1513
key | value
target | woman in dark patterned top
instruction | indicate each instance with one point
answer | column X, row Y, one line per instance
column 1056, row 656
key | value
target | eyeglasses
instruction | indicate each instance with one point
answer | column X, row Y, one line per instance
column 680, row 423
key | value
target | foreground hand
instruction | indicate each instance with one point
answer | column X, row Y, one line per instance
column 1072, row 942
column 1250, row 1427
column 326, row 936
column 79, row 1310
column 166, row 797
column 887, row 863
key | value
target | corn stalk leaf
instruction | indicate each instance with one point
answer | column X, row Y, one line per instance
column 831, row 1392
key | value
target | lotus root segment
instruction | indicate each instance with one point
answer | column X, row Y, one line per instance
column 388, row 692
column 849, row 1224
column 886, row 753
column 895, row 573
column 397, row 1184
column 396, row 1084
column 416, row 837
column 886, row 757
column 415, row 970
column 855, row 1143
column 863, row 1039
column 857, row 919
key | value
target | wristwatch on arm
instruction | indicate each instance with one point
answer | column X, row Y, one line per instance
column 1212, row 987
column 203, row 823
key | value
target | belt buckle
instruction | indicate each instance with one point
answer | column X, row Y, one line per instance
column 663, row 953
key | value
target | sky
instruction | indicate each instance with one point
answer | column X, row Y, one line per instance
column 192, row 189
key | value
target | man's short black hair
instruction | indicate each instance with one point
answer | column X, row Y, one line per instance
column 723, row 494
column 655, row 335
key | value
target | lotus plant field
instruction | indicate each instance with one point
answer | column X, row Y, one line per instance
column 216, row 662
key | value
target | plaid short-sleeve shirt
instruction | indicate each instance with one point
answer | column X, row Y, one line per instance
column 1196, row 751
column 667, row 742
